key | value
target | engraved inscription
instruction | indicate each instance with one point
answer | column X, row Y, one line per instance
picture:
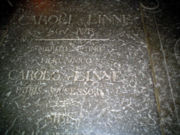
column 76, row 76
column 67, row 19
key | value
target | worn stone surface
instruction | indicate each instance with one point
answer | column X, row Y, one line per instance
column 82, row 68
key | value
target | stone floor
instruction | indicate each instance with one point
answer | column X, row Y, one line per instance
column 86, row 67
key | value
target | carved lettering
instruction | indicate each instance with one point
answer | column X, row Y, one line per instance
column 67, row 19
column 76, row 76
column 82, row 31
column 95, row 76
column 29, row 90
column 106, row 19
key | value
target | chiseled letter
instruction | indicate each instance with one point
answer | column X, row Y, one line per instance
column 77, row 76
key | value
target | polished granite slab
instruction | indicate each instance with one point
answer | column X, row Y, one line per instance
column 89, row 68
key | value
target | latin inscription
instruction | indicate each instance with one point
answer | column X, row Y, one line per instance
column 52, row 91
column 29, row 90
column 76, row 76
column 68, row 48
column 67, row 19
column 79, row 72
column 67, row 60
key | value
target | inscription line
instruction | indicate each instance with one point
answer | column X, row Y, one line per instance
column 64, row 39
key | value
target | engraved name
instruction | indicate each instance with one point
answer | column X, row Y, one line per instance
column 67, row 19
column 75, row 76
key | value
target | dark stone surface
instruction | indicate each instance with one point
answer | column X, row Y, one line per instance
column 85, row 68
